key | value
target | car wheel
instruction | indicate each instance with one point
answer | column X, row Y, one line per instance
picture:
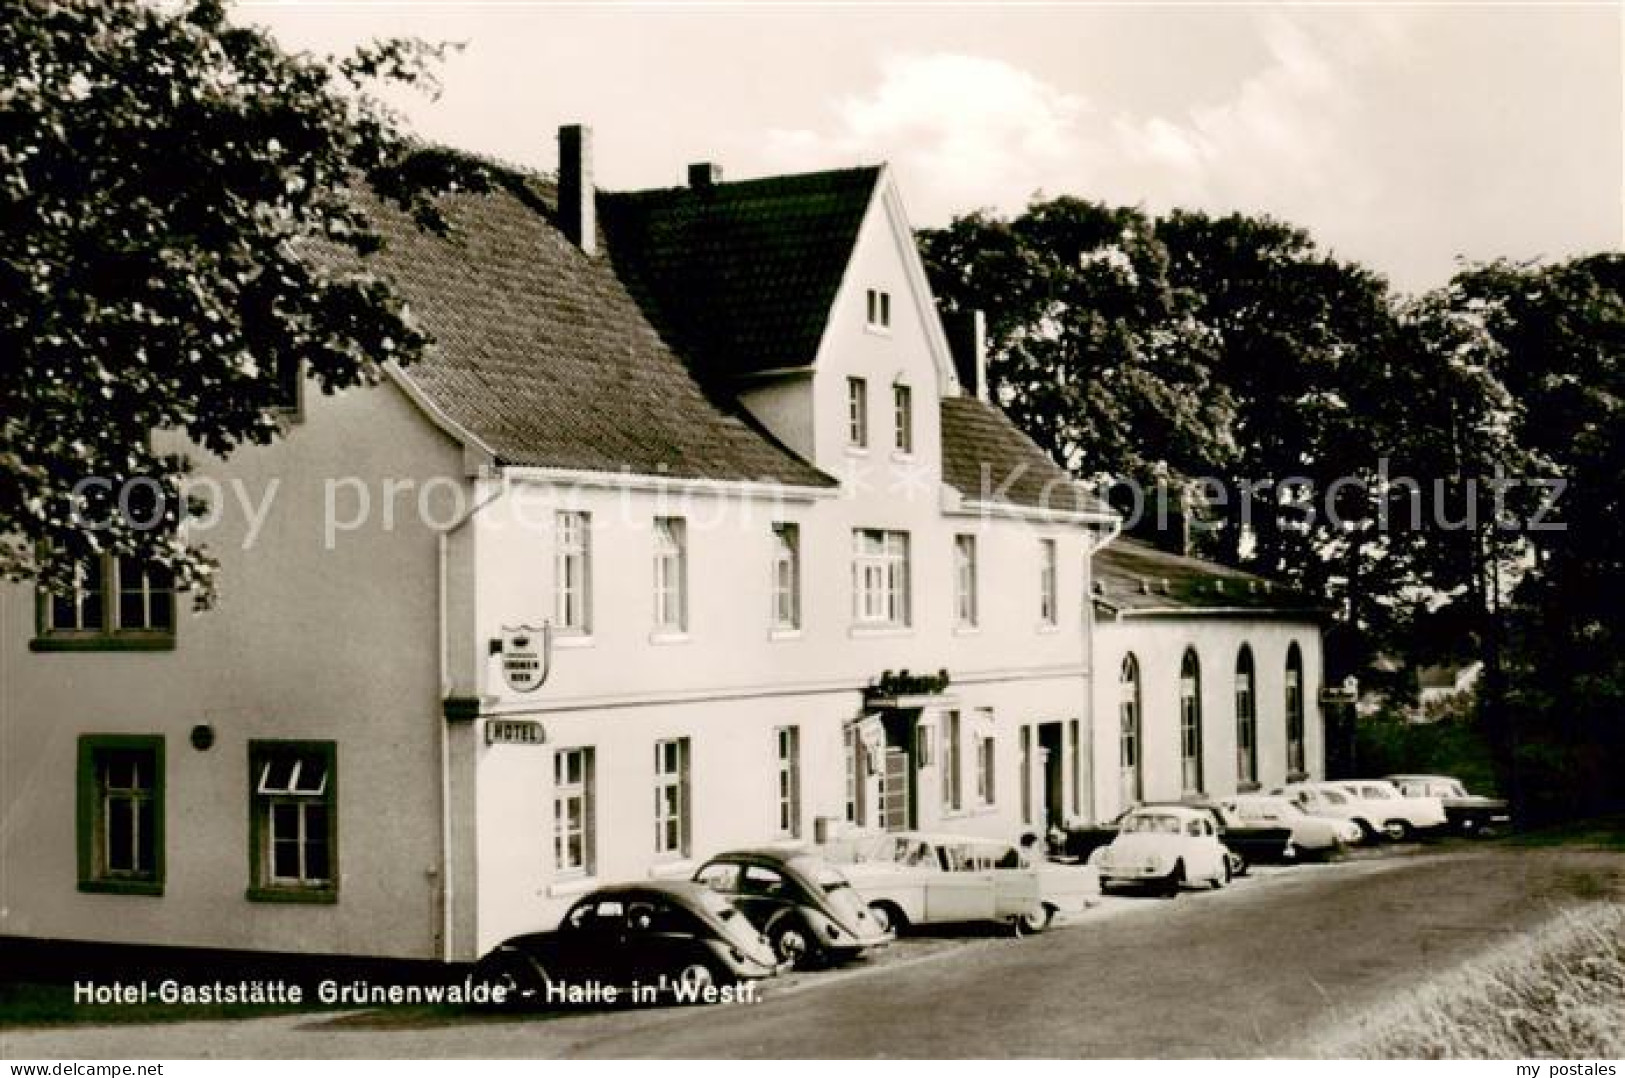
column 1236, row 863
column 1034, row 920
column 1398, row 831
column 1175, row 881
column 695, row 979
column 1368, row 834
column 888, row 917
column 522, row 980
column 792, row 944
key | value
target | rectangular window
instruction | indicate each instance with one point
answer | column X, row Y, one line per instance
column 965, row 581
column 114, row 602
column 672, row 798
column 787, row 743
column 902, row 399
column 877, row 309
column 290, row 383
column 1026, row 774
column 121, row 814
column 572, row 580
column 1048, row 609
column 984, row 771
column 952, row 793
column 671, row 575
column 574, row 843
column 857, row 413
column 786, row 576
column 880, row 578
column 1074, row 745
column 294, row 820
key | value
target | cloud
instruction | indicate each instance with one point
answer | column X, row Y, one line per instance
column 970, row 131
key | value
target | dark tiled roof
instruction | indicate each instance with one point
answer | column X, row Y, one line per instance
column 740, row 276
column 986, row 457
column 542, row 353
column 1132, row 577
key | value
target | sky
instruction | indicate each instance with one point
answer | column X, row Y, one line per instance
column 1404, row 136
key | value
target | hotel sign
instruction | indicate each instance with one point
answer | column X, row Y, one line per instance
column 514, row 732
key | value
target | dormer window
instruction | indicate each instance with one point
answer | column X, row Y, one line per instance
column 879, row 309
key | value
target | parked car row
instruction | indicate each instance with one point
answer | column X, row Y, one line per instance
column 1168, row 845
column 751, row 913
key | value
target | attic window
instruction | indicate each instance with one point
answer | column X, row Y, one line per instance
column 879, row 311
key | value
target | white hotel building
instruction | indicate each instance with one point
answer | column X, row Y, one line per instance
column 716, row 439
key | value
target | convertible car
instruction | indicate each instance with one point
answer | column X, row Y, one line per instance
column 911, row 878
column 681, row 938
column 804, row 905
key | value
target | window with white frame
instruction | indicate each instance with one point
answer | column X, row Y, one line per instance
column 1130, row 783
column 121, row 814
column 672, row 797
column 295, row 818
column 671, row 575
column 1048, row 609
column 786, row 576
column 1190, row 722
column 880, row 578
column 952, row 793
column 965, row 598
column 787, row 748
column 1246, row 719
column 857, row 413
column 1294, row 710
column 878, row 309
column 984, row 767
column 574, row 841
column 572, row 605
column 902, row 399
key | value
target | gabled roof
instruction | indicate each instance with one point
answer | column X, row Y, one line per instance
column 1133, row 577
column 987, row 459
column 542, row 354
column 740, row 276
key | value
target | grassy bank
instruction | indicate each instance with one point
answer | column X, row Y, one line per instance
column 1558, row 993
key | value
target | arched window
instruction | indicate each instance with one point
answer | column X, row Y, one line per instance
column 1294, row 710
column 1128, row 719
column 1246, row 719
column 1190, row 721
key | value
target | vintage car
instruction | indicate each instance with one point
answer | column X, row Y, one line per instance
column 804, row 905
column 1314, row 836
column 1250, row 842
column 680, row 937
column 1163, row 848
column 912, row 878
column 1467, row 814
column 1398, row 817
column 1326, row 799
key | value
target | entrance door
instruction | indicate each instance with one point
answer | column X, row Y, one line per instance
column 1051, row 756
column 894, row 789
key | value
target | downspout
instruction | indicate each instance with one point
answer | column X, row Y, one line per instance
column 448, row 890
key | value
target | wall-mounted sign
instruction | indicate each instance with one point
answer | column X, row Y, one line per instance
column 526, row 655
column 514, row 732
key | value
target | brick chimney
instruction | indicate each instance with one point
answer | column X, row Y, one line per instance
column 967, row 340
column 704, row 174
column 578, row 218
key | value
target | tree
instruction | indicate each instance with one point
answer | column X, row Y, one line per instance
column 1088, row 338
column 164, row 175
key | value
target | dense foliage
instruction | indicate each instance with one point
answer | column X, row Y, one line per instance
column 161, row 170
column 1447, row 470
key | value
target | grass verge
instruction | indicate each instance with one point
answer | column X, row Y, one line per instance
column 1557, row 993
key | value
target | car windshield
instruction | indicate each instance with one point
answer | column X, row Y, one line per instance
column 899, row 849
column 1152, row 824
column 1332, row 797
column 1451, row 789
